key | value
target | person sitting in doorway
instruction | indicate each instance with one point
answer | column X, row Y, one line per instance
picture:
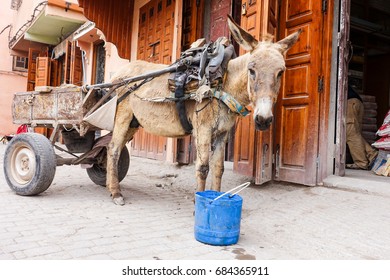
column 362, row 153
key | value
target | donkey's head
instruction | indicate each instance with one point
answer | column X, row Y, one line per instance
column 265, row 68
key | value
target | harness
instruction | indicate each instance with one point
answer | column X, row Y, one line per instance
column 203, row 72
column 231, row 103
column 196, row 75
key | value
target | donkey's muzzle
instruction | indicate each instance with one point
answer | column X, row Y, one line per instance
column 262, row 123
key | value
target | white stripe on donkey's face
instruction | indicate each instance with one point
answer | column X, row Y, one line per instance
column 265, row 68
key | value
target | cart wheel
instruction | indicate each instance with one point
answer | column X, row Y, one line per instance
column 98, row 173
column 29, row 163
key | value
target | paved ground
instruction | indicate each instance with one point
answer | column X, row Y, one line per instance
column 75, row 219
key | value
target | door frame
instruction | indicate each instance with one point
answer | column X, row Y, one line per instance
column 325, row 151
column 96, row 45
column 338, row 101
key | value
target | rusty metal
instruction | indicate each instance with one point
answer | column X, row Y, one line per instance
column 62, row 105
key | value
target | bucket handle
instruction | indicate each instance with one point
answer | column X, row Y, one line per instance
column 242, row 186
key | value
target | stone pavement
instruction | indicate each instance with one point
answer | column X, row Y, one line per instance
column 75, row 219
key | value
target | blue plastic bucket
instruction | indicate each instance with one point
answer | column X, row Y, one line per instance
column 217, row 222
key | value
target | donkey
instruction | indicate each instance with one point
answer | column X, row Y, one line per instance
column 252, row 79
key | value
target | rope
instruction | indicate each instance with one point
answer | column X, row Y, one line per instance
column 133, row 88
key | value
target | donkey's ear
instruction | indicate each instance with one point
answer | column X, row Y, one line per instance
column 286, row 43
column 246, row 40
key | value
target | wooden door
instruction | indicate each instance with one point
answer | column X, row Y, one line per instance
column 76, row 65
column 192, row 22
column 42, row 76
column 55, row 73
column 155, row 37
column 253, row 149
column 343, row 49
column 67, row 62
column 32, row 66
column 165, row 29
column 244, row 143
column 191, row 31
column 264, row 139
column 297, row 126
column 155, row 34
column 48, row 72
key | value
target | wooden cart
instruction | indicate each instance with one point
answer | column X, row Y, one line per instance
column 30, row 160
column 75, row 114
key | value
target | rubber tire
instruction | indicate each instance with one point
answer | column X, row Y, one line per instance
column 38, row 152
column 98, row 173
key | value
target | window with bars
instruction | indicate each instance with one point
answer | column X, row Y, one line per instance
column 20, row 63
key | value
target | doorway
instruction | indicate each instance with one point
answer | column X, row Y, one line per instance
column 363, row 58
column 99, row 62
column 369, row 63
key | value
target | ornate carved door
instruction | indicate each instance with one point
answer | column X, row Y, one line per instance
column 253, row 149
column 191, row 31
column 156, row 28
column 76, row 65
column 289, row 150
column 155, row 44
column 298, row 107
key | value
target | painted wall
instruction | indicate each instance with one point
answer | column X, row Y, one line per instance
column 15, row 81
column 10, row 81
column 218, row 20
column 113, row 61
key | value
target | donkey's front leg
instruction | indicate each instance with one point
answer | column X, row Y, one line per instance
column 202, row 165
column 122, row 123
column 217, row 159
column 202, row 143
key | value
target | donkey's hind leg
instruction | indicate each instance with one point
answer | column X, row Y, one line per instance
column 120, row 136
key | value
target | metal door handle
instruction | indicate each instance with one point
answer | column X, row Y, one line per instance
column 243, row 9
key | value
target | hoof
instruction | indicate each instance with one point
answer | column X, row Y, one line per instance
column 119, row 200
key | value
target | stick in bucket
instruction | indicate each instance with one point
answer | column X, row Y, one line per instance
column 242, row 186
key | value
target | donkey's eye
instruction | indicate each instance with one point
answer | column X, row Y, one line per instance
column 252, row 73
column 280, row 73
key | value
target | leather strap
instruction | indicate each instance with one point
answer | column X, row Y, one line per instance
column 180, row 79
